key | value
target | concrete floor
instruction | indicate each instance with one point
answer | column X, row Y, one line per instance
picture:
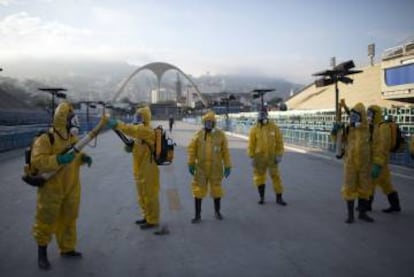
column 306, row 238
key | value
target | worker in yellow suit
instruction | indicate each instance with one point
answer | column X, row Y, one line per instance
column 380, row 156
column 146, row 172
column 208, row 161
column 265, row 149
column 58, row 199
column 412, row 147
column 357, row 163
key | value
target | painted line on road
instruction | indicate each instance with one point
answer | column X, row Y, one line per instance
column 298, row 150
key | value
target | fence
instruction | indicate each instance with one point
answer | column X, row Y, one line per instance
column 311, row 129
column 18, row 128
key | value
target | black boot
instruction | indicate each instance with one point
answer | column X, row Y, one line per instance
column 197, row 218
column 71, row 254
column 42, row 260
column 279, row 200
column 217, row 208
column 261, row 189
column 350, row 209
column 147, row 225
column 362, row 212
column 369, row 203
column 394, row 202
column 141, row 221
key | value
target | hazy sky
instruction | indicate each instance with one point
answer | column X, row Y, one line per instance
column 287, row 38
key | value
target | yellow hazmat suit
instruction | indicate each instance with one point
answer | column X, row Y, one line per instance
column 412, row 147
column 357, row 159
column 209, row 153
column 381, row 140
column 146, row 172
column 264, row 147
column 380, row 149
column 58, row 200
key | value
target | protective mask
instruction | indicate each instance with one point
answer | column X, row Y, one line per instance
column 355, row 119
column 370, row 116
column 73, row 125
column 262, row 118
column 208, row 125
column 137, row 119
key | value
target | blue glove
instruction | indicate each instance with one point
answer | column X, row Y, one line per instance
column 278, row 159
column 227, row 172
column 112, row 122
column 87, row 159
column 191, row 169
column 65, row 158
column 375, row 171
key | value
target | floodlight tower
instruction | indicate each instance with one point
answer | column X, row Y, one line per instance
column 256, row 93
column 226, row 100
column 332, row 76
column 55, row 92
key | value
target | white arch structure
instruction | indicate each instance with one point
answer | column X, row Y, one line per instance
column 158, row 68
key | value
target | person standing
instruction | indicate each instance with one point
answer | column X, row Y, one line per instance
column 146, row 172
column 380, row 156
column 265, row 149
column 356, row 163
column 171, row 122
column 58, row 199
column 208, row 161
column 412, row 147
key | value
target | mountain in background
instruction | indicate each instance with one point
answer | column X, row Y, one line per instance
column 95, row 80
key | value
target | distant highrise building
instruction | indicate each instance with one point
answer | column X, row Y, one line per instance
column 155, row 96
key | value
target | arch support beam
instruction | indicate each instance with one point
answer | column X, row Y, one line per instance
column 158, row 68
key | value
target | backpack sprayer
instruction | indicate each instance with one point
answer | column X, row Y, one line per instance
column 39, row 180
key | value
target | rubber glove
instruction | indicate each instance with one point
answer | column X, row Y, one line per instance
column 375, row 171
column 278, row 159
column 65, row 158
column 87, row 159
column 191, row 169
column 227, row 172
column 112, row 122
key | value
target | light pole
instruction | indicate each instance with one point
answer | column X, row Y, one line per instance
column 226, row 100
column 332, row 76
column 259, row 93
column 55, row 92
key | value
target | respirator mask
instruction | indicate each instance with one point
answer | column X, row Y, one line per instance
column 355, row 119
column 73, row 124
column 370, row 116
column 209, row 125
column 137, row 119
column 262, row 118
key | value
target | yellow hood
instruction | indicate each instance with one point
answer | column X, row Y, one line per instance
column 60, row 118
column 145, row 113
column 360, row 108
column 209, row 116
column 377, row 113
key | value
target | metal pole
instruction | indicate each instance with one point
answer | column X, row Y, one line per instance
column 87, row 117
column 337, row 100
